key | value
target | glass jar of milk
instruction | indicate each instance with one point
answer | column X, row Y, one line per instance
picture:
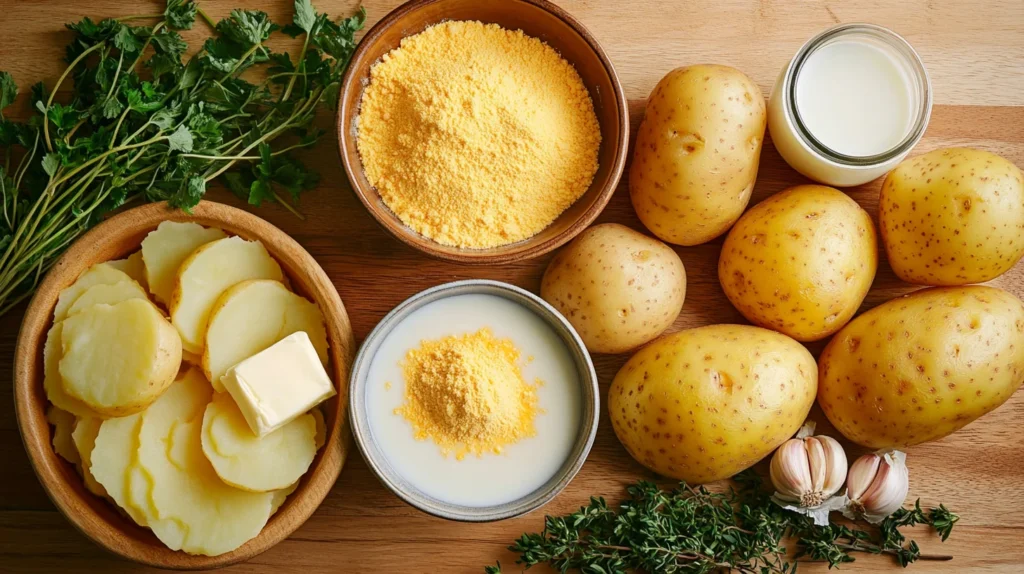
column 850, row 105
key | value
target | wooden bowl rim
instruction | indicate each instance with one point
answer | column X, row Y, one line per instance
column 521, row 250
column 35, row 431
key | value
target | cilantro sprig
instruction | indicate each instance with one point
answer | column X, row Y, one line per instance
column 143, row 123
column 694, row 531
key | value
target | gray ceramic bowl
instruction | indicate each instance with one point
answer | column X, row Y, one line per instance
column 375, row 458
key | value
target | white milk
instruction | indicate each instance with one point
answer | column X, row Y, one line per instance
column 862, row 93
column 854, row 98
column 492, row 478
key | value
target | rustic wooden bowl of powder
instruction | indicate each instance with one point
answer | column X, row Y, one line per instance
column 482, row 132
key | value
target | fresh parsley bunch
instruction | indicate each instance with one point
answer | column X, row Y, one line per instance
column 143, row 123
column 694, row 531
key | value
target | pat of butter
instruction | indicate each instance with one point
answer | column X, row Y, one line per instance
column 278, row 384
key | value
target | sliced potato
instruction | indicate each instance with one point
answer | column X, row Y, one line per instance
column 99, row 274
column 280, row 496
column 117, row 359
column 114, row 455
column 166, row 248
column 133, row 266
column 187, row 492
column 238, row 331
column 208, row 273
column 63, row 426
column 53, row 386
column 84, row 437
column 108, row 294
column 258, row 464
column 191, row 358
column 321, row 427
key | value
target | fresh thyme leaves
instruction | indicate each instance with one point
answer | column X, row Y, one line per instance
column 143, row 125
column 694, row 531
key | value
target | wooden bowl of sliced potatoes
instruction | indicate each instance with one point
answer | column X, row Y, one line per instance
column 181, row 384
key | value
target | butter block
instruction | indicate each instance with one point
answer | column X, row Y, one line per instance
column 278, row 384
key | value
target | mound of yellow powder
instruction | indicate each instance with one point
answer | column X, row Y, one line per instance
column 468, row 394
column 477, row 136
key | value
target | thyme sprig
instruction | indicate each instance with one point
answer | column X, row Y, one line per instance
column 694, row 531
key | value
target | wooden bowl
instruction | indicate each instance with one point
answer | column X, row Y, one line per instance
column 537, row 18
column 97, row 518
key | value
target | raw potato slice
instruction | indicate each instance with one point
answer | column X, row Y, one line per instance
column 133, row 266
column 117, row 359
column 252, row 316
column 209, row 272
column 258, row 464
column 99, row 274
column 108, row 294
column 217, row 518
column 84, row 437
column 167, row 247
column 280, row 496
column 321, row 427
column 52, row 384
column 114, row 456
column 63, row 424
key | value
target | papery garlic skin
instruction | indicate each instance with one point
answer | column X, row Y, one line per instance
column 808, row 470
column 877, row 485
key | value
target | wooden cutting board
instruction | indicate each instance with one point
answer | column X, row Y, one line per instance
column 975, row 54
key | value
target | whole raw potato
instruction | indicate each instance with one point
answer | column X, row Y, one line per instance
column 920, row 367
column 952, row 217
column 800, row 262
column 697, row 152
column 703, row 404
column 618, row 288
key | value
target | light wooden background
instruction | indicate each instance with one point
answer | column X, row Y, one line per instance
column 975, row 53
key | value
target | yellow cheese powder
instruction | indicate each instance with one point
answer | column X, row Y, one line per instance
column 467, row 394
column 477, row 136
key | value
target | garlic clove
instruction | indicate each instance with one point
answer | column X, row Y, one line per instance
column 877, row 486
column 789, row 471
column 863, row 471
column 817, row 463
column 835, row 459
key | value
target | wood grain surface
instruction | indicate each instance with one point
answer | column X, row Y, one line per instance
column 975, row 53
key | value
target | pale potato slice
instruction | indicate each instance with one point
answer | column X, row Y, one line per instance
column 321, row 427
column 258, row 464
column 114, row 455
column 63, row 426
column 206, row 274
column 52, row 384
column 133, row 266
column 166, row 248
column 84, row 437
column 117, row 359
column 252, row 316
column 107, row 294
column 280, row 496
column 217, row 518
column 99, row 274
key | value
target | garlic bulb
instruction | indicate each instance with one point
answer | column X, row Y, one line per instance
column 877, row 485
column 807, row 471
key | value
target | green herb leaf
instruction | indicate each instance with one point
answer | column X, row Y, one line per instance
column 180, row 14
column 247, row 27
column 8, row 91
column 127, row 40
column 305, row 15
column 170, row 43
column 180, row 140
column 51, row 163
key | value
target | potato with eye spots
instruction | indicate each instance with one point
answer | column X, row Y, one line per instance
column 704, row 404
column 697, row 152
column 800, row 262
column 921, row 367
column 618, row 288
column 953, row 216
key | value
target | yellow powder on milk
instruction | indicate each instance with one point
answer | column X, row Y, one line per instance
column 467, row 394
column 477, row 136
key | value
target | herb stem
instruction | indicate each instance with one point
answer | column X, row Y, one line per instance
column 46, row 122
column 206, row 18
